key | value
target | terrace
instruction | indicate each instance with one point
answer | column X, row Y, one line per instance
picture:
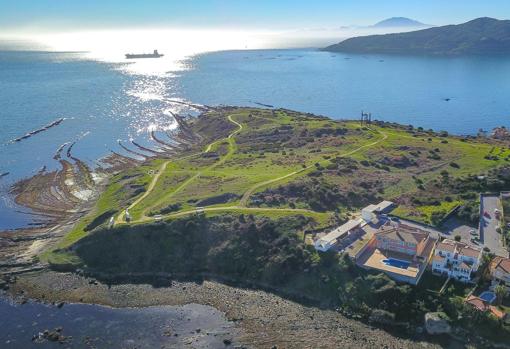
column 401, row 266
column 390, row 262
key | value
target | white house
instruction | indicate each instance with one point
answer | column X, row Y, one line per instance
column 371, row 212
column 456, row 259
column 329, row 240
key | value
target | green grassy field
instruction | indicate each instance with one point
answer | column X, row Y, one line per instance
column 278, row 163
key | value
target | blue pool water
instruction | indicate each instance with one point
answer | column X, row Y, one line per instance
column 488, row 296
column 396, row 263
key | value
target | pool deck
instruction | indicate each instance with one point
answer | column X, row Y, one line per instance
column 374, row 260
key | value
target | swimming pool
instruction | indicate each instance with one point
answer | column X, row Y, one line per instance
column 488, row 296
column 396, row 263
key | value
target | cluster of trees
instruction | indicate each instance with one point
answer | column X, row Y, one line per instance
column 318, row 194
column 242, row 248
column 102, row 218
column 167, row 209
column 495, row 180
column 258, row 251
column 267, row 140
column 467, row 188
column 327, row 131
column 470, row 212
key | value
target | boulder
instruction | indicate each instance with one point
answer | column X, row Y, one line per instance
column 437, row 323
column 382, row 317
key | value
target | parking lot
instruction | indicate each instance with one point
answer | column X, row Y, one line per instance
column 489, row 223
column 453, row 227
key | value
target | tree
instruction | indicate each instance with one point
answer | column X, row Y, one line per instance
column 457, row 238
column 501, row 293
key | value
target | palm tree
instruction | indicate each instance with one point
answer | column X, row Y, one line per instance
column 500, row 292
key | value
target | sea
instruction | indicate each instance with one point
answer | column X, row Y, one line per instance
column 96, row 326
column 106, row 101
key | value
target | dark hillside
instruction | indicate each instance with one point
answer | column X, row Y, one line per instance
column 482, row 36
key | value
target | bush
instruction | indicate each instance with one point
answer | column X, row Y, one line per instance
column 102, row 218
column 437, row 216
column 170, row 208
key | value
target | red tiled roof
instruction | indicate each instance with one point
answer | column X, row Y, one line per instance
column 469, row 251
column 476, row 302
column 501, row 264
column 443, row 246
column 480, row 304
column 460, row 247
column 497, row 312
column 403, row 235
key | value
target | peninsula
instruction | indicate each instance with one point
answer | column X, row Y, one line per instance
column 288, row 202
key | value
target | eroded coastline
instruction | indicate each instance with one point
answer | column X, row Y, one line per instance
column 262, row 320
column 46, row 284
column 58, row 199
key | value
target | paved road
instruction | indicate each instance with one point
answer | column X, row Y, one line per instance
column 488, row 224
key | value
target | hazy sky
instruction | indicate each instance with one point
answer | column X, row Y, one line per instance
column 266, row 14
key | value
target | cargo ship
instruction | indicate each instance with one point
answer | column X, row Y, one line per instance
column 155, row 54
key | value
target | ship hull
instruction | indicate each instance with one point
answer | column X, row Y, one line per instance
column 129, row 56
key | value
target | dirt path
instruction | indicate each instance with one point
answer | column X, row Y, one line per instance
column 152, row 185
column 232, row 208
column 249, row 192
column 244, row 199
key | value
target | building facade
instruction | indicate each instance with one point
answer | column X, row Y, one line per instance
column 411, row 243
column 457, row 260
column 400, row 251
column 500, row 271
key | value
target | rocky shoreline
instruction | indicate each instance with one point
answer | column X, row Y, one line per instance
column 264, row 320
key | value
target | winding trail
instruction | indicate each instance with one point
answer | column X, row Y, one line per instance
column 152, row 184
column 242, row 206
column 231, row 208
column 231, row 151
column 246, row 196
column 121, row 217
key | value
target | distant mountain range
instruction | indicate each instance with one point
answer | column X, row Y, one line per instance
column 396, row 22
column 482, row 36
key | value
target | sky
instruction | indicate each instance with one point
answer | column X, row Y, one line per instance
column 59, row 15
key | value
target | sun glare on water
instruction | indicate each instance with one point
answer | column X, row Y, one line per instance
column 175, row 44
column 152, row 94
column 152, row 97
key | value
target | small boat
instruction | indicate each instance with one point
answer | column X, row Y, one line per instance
column 155, row 54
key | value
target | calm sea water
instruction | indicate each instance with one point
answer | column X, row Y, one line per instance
column 94, row 326
column 103, row 102
column 408, row 90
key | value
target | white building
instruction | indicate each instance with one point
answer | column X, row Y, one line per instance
column 456, row 259
column 331, row 239
column 371, row 212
